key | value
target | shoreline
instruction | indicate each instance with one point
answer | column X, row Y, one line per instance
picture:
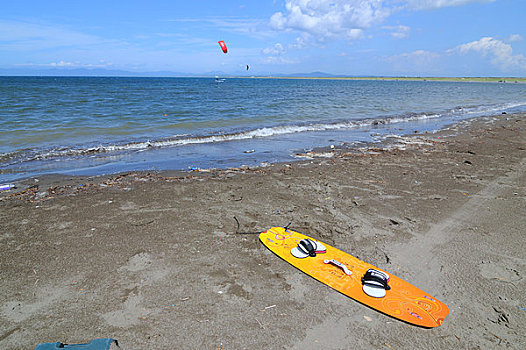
column 57, row 182
column 65, row 184
column 153, row 259
column 515, row 80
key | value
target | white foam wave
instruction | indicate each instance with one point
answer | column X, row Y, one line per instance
column 487, row 110
column 249, row 134
column 181, row 140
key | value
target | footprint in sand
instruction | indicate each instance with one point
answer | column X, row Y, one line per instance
column 145, row 268
column 130, row 313
column 138, row 262
column 45, row 298
column 499, row 271
column 140, row 270
column 131, row 309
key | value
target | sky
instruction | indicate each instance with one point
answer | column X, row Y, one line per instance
column 273, row 37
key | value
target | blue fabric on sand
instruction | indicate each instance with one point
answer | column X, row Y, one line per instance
column 95, row 344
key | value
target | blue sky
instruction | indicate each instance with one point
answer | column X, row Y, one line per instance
column 352, row 37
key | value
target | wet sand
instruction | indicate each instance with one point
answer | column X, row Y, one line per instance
column 154, row 260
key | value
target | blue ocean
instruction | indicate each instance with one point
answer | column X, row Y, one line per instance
column 105, row 125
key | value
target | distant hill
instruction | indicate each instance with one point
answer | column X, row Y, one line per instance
column 101, row 72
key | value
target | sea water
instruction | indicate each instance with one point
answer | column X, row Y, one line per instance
column 104, row 125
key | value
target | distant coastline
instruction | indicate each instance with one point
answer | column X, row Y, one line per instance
column 435, row 79
column 100, row 73
column 445, row 79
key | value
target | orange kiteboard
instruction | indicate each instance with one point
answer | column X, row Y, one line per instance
column 345, row 273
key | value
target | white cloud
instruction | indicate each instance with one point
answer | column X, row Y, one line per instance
column 435, row 4
column 421, row 53
column 280, row 60
column 398, row 32
column 355, row 34
column 276, row 55
column 515, row 37
column 501, row 53
column 299, row 43
column 67, row 64
column 420, row 57
column 274, row 50
column 62, row 64
column 326, row 20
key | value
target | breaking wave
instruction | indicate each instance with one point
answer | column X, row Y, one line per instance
column 182, row 140
column 264, row 132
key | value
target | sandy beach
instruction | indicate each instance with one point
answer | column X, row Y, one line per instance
column 157, row 261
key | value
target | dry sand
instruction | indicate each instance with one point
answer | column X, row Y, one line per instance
column 154, row 260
